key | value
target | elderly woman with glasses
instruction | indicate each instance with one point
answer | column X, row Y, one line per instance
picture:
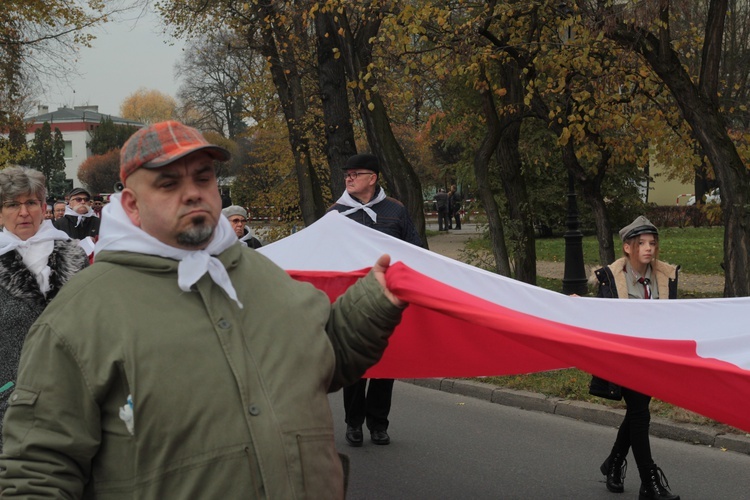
column 35, row 261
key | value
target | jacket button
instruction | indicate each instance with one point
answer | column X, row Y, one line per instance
column 254, row 410
column 224, row 324
column 14, row 397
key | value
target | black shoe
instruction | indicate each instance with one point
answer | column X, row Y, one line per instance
column 380, row 437
column 354, row 435
column 654, row 486
column 614, row 468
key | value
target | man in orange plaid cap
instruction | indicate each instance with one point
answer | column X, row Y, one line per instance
column 184, row 364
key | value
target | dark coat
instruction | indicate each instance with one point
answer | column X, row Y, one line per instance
column 612, row 283
column 441, row 201
column 393, row 219
column 21, row 303
column 454, row 202
column 89, row 226
column 249, row 240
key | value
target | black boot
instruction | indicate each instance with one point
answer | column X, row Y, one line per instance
column 614, row 468
column 654, row 485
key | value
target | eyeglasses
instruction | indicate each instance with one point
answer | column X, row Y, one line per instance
column 354, row 175
column 80, row 199
column 15, row 206
column 237, row 221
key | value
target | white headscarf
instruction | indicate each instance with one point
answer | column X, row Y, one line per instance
column 34, row 251
column 70, row 211
column 348, row 201
column 118, row 233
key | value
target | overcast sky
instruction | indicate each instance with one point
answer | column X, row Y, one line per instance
column 125, row 56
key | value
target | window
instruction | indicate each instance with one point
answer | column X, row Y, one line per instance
column 68, row 149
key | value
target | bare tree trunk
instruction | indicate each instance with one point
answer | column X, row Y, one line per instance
column 286, row 78
column 592, row 193
column 700, row 184
column 514, row 185
column 340, row 144
column 519, row 209
column 481, row 173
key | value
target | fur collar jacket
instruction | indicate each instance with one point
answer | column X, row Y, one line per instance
column 21, row 303
column 612, row 280
column 66, row 259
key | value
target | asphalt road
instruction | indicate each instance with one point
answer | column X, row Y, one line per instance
column 448, row 446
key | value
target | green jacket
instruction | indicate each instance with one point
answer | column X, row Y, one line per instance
column 228, row 402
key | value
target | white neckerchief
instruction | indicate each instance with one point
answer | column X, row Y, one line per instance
column 70, row 211
column 34, row 251
column 348, row 201
column 118, row 233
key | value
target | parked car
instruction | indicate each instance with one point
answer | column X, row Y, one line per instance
column 713, row 196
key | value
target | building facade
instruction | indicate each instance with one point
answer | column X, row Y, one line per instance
column 76, row 125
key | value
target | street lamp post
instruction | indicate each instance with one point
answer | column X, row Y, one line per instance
column 574, row 278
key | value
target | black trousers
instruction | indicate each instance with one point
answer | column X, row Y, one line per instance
column 633, row 431
column 457, row 215
column 443, row 219
column 369, row 404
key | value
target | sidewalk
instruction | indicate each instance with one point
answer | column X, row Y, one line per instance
column 451, row 243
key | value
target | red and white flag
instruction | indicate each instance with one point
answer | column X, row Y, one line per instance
column 466, row 322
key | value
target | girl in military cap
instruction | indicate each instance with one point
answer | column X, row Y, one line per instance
column 639, row 274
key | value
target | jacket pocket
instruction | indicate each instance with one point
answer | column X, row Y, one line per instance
column 322, row 473
column 21, row 407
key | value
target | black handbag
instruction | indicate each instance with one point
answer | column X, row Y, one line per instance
column 604, row 389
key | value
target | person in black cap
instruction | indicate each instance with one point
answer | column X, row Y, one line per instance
column 97, row 204
column 637, row 275
column 80, row 220
column 364, row 201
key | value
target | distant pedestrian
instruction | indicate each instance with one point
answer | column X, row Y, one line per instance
column 364, row 201
column 441, row 204
column 454, row 200
column 637, row 275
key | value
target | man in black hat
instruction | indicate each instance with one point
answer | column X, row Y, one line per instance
column 364, row 201
column 80, row 220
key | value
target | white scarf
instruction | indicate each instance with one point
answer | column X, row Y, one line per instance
column 118, row 233
column 34, row 251
column 70, row 211
column 348, row 201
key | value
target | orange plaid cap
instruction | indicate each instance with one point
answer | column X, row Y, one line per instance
column 162, row 143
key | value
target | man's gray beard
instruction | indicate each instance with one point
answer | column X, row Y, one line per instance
column 197, row 235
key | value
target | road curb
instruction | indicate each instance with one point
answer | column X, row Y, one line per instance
column 587, row 412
